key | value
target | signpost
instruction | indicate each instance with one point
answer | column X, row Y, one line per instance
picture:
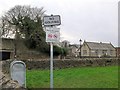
column 52, row 35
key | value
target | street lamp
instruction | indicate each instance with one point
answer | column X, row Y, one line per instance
column 80, row 47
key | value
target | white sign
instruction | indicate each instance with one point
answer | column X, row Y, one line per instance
column 53, row 35
column 18, row 72
column 51, row 20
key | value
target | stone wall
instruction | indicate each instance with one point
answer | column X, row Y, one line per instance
column 59, row 64
column 6, row 83
column 66, row 63
column 6, row 66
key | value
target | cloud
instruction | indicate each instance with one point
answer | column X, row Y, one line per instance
column 91, row 20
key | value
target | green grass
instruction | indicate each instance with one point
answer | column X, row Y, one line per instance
column 85, row 77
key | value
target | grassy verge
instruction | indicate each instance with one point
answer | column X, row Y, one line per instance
column 86, row 77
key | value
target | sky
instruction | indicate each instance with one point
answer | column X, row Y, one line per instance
column 89, row 20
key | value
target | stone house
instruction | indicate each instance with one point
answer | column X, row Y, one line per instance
column 65, row 43
column 94, row 49
column 73, row 50
column 117, row 51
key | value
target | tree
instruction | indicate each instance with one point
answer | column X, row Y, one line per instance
column 13, row 19
column 56, row 50
column 24, row 22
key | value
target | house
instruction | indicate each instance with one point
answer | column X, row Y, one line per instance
column 65, row 43
column 117, row 51
column 73, row 50
column 94, row 49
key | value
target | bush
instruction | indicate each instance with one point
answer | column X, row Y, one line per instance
column 105, row 56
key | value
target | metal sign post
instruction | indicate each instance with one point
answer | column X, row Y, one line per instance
column 51, row 65
column 52, row 35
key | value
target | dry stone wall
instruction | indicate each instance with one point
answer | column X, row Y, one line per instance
column 7, row 84
column 66, row 63
column 59, row 64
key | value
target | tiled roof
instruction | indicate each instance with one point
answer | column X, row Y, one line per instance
column 95, row 45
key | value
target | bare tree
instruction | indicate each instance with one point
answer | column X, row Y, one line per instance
column 18, row 21
column 13, row 19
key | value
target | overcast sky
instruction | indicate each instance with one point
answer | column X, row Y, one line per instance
column 90, row 20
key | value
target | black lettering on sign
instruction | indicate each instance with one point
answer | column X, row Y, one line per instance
column 51, row 18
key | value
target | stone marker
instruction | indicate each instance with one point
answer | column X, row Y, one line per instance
column 18, row 72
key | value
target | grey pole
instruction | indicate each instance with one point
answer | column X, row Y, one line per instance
column 51, row 66
column 80, row 47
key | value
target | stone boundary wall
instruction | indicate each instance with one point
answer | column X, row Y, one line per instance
column 66, row 63
column 60, row 64
column 7, row 83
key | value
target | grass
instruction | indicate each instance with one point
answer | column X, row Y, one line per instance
column 85, row 77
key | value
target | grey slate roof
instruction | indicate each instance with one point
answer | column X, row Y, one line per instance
column 102, row 46
column 74, row 45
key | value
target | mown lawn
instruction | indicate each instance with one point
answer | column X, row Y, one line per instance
column 85, row 77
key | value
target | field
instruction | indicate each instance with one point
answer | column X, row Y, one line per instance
column 85, row 77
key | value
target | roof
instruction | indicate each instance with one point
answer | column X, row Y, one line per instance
column 65, row 41
column 117, row 47
column 95, row 45
column 75, row 45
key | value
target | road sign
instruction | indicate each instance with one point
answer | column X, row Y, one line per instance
column 51, row 20
column 53, row 35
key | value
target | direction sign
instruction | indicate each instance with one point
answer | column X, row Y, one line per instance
column 51, row 20
column 53, row 35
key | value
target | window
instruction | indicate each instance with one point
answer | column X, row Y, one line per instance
column 104, row 52
column 96, row 51
column 84, row 52
column 111, row 52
